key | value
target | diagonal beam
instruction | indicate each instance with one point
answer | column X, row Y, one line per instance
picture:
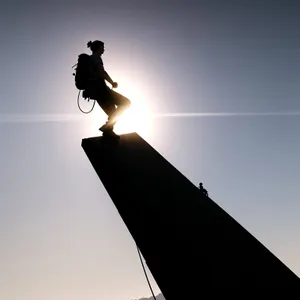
column 190, row 244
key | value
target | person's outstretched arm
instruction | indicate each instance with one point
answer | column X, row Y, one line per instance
column 107, row 78
column 105, row 75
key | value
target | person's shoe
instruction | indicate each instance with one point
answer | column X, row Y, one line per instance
column 110, row 133
column 106, row 127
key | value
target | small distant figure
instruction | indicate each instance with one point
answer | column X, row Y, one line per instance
column 112, row 103
column 202, row 189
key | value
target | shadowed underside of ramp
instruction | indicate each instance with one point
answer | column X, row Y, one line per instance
column 190, row 244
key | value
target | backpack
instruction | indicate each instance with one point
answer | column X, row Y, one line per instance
column 82, row 71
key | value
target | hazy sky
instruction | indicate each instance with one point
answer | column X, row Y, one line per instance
column 223, row 77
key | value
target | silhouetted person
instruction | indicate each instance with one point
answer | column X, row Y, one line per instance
column 112, row 103
column 202, row 189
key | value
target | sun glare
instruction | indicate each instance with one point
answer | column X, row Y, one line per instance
column 136, row 119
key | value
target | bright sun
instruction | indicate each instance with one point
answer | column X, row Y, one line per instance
column 136, row 119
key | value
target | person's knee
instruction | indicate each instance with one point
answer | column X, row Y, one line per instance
column 126, row 102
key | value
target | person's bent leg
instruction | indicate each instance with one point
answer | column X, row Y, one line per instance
column 121, row 102
column 109, row 109
column 102, row 97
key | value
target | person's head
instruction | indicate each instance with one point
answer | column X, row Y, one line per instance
column 201, row 184
column 96, row 46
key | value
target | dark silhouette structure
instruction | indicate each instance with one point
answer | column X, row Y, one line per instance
column 202, row 189
column 190, row 244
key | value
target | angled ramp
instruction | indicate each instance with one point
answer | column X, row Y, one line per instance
column 190, row 244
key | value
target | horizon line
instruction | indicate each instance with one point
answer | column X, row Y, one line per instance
column 40, row 118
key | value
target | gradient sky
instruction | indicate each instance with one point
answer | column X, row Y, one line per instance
column 222, row 78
